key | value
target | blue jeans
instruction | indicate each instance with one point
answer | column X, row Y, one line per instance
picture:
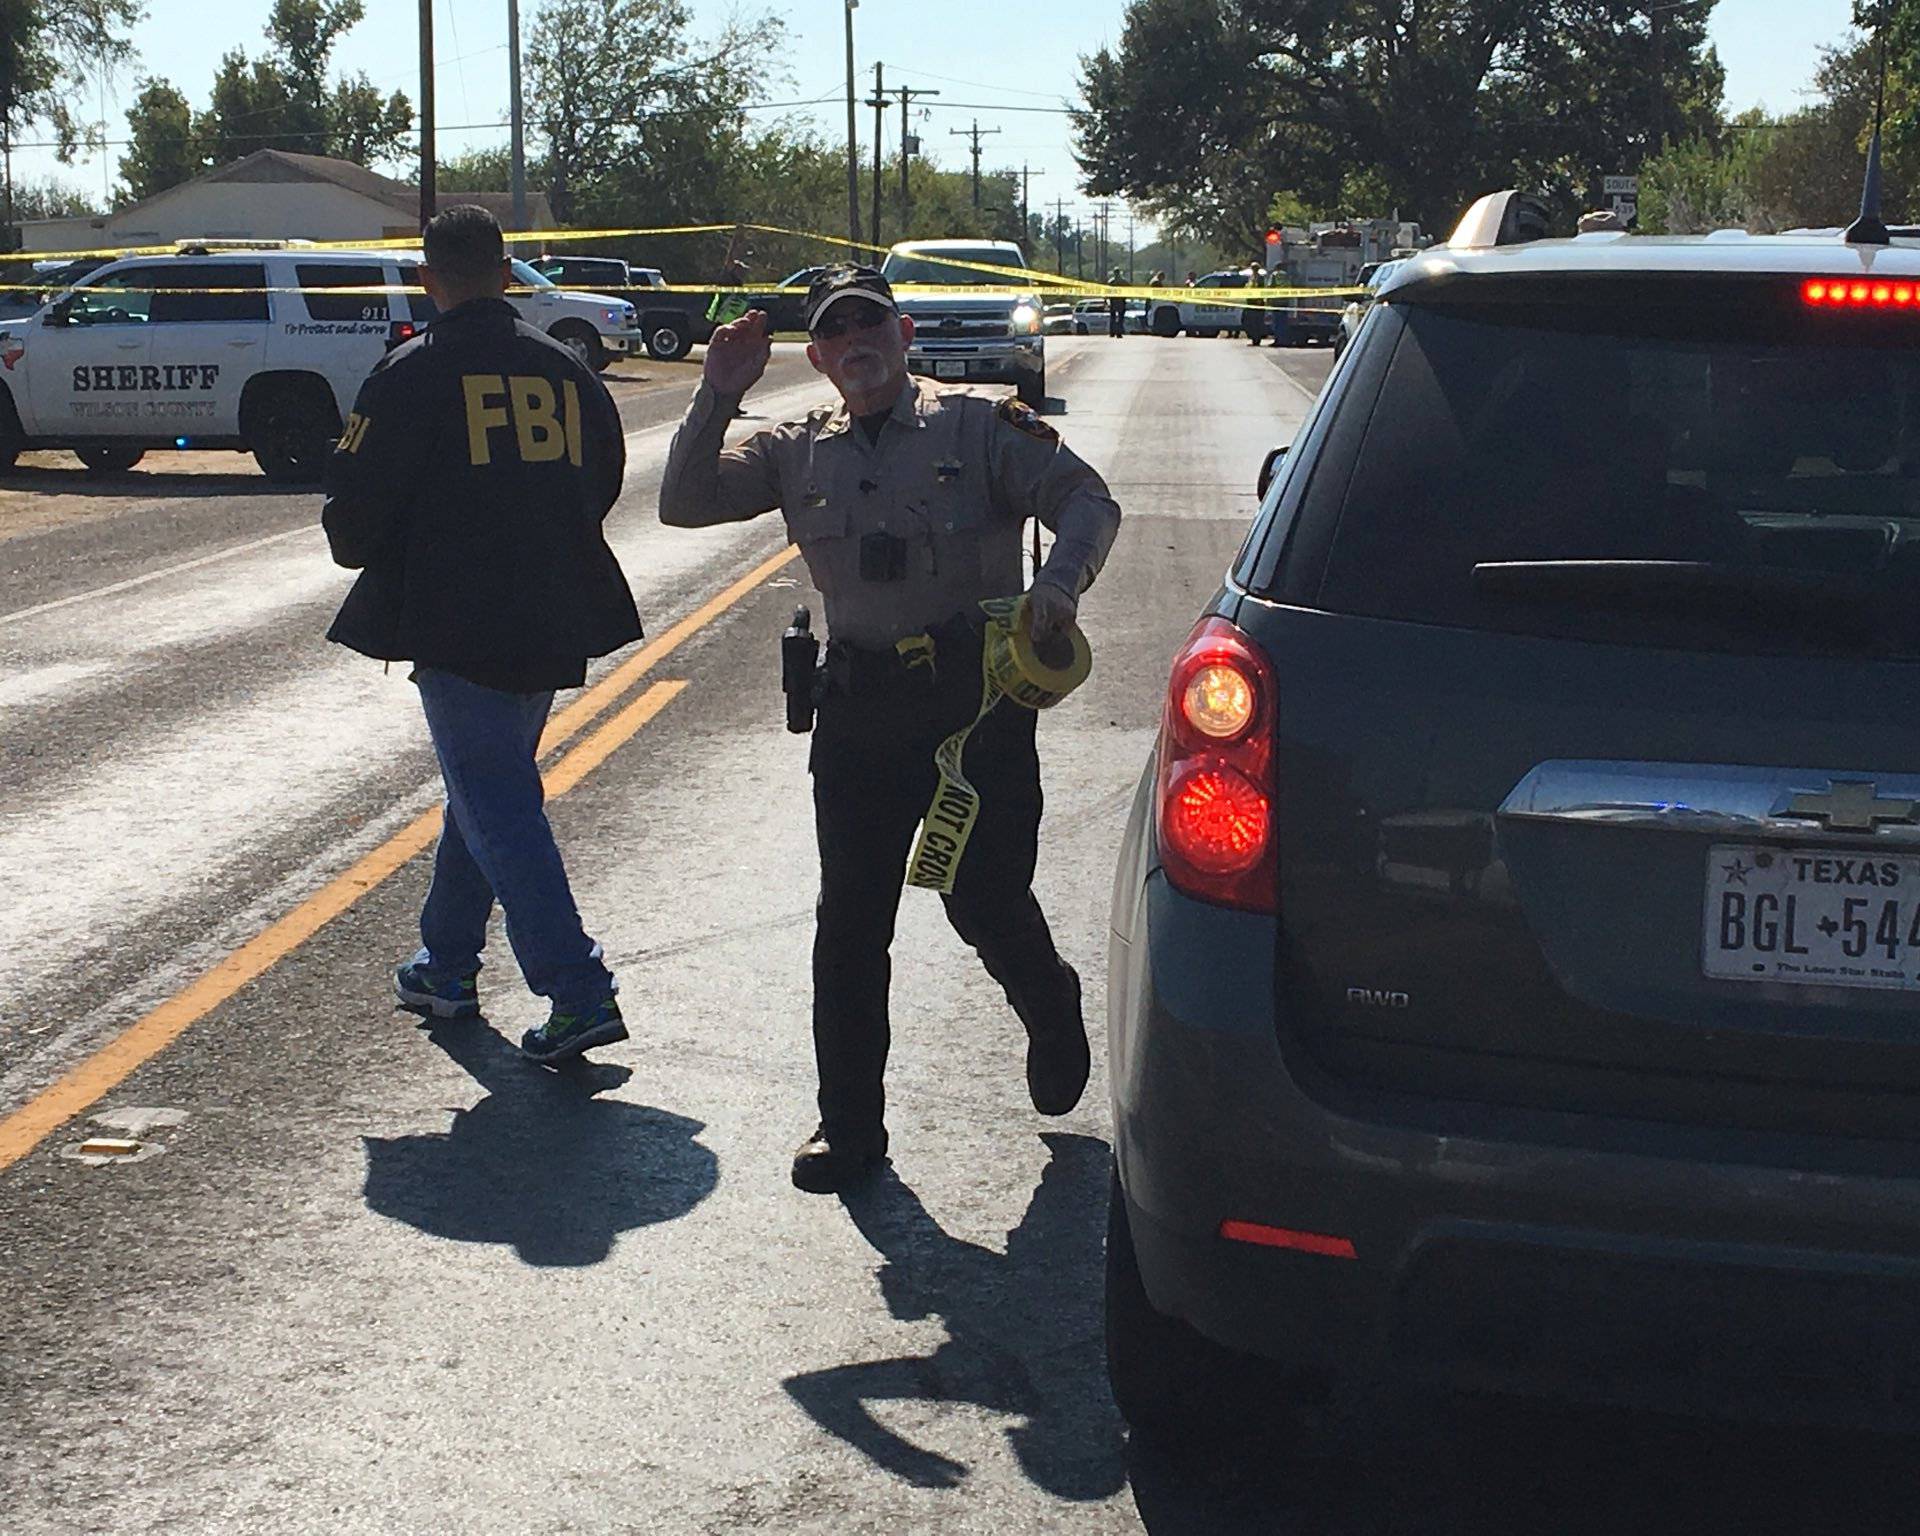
column 497, row 843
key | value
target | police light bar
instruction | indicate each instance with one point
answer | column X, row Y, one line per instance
column 1852, row 293
column 1273, row 237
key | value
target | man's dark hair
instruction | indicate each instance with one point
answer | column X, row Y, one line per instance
column 465, row 243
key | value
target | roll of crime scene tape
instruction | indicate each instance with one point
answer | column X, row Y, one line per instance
column 1011, row 667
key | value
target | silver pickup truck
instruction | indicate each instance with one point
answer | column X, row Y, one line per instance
column 971, row 324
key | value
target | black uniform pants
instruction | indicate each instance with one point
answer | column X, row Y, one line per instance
column 1116, row 317
column 873, row 780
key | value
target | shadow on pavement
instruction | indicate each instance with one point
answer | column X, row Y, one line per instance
column 1023, row 1331
column 154, row 485
column 540, row 1164
column 1463, row 1467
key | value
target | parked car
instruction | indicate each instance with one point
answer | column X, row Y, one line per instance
column 258, row 346
column 1060, row 320
column 1515, row 963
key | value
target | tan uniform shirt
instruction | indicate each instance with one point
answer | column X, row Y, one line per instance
column 953, row 475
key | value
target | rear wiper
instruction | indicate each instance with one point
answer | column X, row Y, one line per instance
column 1828, row 604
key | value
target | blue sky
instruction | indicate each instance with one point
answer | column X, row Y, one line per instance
column 982, row 71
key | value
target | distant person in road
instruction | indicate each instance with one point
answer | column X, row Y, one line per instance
column 1116, row 307
column 469, row 488
column 1253, row 318
column 1193, row 278
column 907, row 501
column 1157, row 280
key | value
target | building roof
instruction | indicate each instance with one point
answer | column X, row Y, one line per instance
column 280, row 165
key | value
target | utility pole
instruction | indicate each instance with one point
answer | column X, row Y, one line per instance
column 1060, row 235
column 1026, row 211
column 1101, row 215
column 1657, row 36
column 1079, row 249
column 6, row 152
column 515, row 110
column 909, row 147
column 1129, row 247
column 878, row 101
column 976, row 133
column 853, row 150
column 427, row 165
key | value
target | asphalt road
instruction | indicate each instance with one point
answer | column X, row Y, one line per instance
column 372, row 1278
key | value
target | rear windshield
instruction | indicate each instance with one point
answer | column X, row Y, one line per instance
column 1729, row 474
column 952, row 268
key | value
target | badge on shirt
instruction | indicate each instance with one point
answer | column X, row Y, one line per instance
column 1022, row 417
column 814, row 497
column 947, row 471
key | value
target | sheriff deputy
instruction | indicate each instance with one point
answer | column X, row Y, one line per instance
column 907, row 502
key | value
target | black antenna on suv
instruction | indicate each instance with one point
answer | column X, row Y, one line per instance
column 1870, row 228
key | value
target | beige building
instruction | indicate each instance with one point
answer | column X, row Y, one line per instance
column 270, row 195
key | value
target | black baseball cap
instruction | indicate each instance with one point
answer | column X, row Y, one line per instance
column 847, row 282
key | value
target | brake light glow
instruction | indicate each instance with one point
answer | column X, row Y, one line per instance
column 1285, row 1237
column 1842, row 293
column 1214, row 795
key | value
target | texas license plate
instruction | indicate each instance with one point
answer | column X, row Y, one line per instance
column 1813, row 917
column 956, row 369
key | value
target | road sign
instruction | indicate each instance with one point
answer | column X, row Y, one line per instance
column 1620, row 186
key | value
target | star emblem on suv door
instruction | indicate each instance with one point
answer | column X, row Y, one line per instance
column 1851, row 807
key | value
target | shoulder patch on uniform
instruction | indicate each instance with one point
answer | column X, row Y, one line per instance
column 1022, row 417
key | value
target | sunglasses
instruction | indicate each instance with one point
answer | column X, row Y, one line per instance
column 850, row 318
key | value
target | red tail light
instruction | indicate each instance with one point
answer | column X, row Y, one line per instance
column 1214, row 800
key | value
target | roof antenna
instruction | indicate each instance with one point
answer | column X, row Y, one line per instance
column 1869, row 228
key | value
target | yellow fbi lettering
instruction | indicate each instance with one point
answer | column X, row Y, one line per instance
column 544, row 427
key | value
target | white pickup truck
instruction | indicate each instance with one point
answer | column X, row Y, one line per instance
column 261, row 349
column 961, row 332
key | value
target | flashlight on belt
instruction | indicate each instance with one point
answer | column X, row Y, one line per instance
column 799, row 656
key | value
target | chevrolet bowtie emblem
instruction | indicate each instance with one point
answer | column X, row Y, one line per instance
column 1851, row 807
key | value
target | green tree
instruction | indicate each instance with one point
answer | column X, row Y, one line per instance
column 476, row 170
column 637, row 115
column 285, row 99
column 51, row 54
column 51, row 199
column 1210, row 108
column 163, row 151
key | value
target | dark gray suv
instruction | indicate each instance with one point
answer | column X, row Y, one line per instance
column 1515, row 971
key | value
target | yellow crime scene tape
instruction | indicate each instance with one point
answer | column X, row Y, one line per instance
column 1011, row 667
column 1025, row 280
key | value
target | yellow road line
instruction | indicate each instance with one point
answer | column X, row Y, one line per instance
column 119, row 1058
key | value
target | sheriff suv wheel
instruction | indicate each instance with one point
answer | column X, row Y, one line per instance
column 290, row 424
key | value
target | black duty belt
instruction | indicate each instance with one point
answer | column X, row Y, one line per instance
column 946, row 654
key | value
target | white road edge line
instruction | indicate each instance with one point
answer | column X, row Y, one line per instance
column 140, row 581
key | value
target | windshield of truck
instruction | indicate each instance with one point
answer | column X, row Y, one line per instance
column 525, row 275
column 1637, row 469
column 952, row 268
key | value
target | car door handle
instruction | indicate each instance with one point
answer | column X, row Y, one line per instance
column 242, row 341
column 131, row 346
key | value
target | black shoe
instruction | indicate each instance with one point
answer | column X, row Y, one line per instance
column 825, row 1164
column 1058, row 1057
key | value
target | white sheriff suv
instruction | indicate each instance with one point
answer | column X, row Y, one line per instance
column 237, row 347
